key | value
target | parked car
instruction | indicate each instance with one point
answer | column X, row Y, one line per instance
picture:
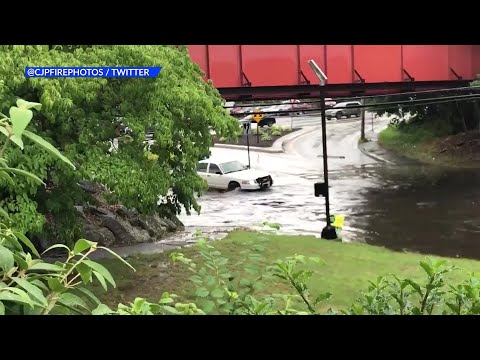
column 347, row 109
column 271, row 111
column 294, row 105
column 329, row 102
column 239, row 111
column 231, row 175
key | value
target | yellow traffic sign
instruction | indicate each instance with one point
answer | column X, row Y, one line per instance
column 258, row 117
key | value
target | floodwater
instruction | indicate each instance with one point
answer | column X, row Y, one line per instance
column 403, row 206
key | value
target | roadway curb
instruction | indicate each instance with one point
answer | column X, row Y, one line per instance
column 302, row 132
column 252, row 148
column 373, row 156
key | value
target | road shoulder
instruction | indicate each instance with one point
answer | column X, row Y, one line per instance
column 374, row 150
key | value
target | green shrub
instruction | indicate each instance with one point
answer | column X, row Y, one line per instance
column 276, row 132
column 266, row 136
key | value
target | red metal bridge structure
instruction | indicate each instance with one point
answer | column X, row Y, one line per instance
column 248, row 72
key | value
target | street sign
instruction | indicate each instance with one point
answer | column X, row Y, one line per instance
column 258, row 117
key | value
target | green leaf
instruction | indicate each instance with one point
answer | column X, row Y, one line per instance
column 155, row 308
column 89, row 294
column 436, row 264
column 4, row 131
column 166, row 300
column 102, row 309
column 27, row 242
column 322, row 297
column 72, row 300
column 207, row 306
column 39, row 284
column 217, row 293
column 417, row 287
column 6, row 258
column 22, row 264
column 140, row 306
column 259, row 308
column 117, row 256
column 82, row 245
column 2, row 308
column 60, row 309
column 23, row 104
column 101, row 279
column 85, row 272
column 20, row 119
column 210, row 280
column 4, row 214
column 55, row 285
column 32, row 290
column 57, row 246
column 101, row 270
column 7, row 177
column 170, row 310
column 24, row 173
column 201, row 292
column 16, row 295
column 16, row 139
column 428, row 269
column 46, row 267
column 13, row 241
column 221, row 301
column 47, row 146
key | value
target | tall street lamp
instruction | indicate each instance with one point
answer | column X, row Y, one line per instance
column 321, row 189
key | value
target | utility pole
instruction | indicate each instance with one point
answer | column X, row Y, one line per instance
column 328, row 231
column 362, row 135
column 247, row 131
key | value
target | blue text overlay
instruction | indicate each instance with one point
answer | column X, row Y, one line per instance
column 92, row 72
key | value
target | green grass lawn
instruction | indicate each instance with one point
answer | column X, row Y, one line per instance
column 345, row 270
column 432, row 143
column 416, row 144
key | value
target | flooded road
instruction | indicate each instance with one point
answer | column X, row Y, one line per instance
column 405, row 206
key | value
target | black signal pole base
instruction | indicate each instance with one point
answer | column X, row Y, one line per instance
column 329, row 233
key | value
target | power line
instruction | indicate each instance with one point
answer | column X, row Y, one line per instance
column 414, row 92
column 356, row 98
column 439, row 102
column 417, row 102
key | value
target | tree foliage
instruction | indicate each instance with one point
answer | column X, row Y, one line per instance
column 432, row 108
column 79, row 116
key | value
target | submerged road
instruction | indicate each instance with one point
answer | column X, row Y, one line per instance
column 406, row 206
